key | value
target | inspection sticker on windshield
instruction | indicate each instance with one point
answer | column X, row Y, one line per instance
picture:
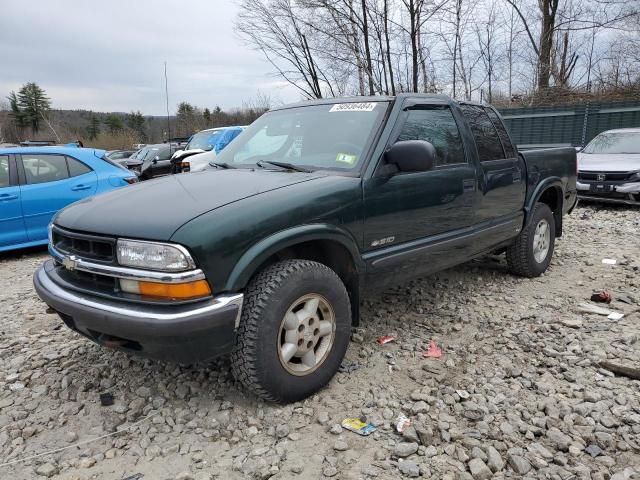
column 346, row 158
column 353, row 107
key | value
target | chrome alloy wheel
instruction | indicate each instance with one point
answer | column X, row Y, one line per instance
column 306, row 334
column 541, row 241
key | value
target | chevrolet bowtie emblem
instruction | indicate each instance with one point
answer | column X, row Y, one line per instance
column 602, row 177
column 70, row 263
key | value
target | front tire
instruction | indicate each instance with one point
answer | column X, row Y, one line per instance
column 531, row 252
column 294, row 331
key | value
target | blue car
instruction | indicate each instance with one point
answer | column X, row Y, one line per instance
column 213, row 139
column 37, row 182
column 210, row 140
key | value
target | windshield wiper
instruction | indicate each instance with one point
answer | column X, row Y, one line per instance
column 288, row 166
column 221, row 165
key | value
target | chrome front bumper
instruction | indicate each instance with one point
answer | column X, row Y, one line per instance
column 184, row 333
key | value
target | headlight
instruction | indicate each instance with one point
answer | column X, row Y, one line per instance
column 154, row 256
column 635, row 177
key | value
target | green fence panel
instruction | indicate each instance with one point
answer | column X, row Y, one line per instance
column 568, row 124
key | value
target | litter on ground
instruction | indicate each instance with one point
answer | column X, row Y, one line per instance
column 433, row 351
column 358, row 426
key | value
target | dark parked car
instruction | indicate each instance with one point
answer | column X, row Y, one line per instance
column 117, row 155
column 314, row 206
column 153, row 160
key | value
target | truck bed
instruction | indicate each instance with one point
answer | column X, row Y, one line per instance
column 551, row 163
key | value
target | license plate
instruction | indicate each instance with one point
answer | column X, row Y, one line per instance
column 600, row 188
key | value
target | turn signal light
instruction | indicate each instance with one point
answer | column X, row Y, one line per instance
column 170, row 291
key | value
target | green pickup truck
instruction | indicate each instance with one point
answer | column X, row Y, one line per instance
column 267, row 254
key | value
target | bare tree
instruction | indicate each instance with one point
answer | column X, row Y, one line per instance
column 386, row 37
column 346, row 47
column 564, row 15
column 486, row 34
column 274, row 28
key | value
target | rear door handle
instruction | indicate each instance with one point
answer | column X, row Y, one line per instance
column 75, row 188
column 8, row 196
column 469, row 185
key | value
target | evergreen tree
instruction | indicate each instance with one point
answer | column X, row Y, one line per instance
column 185, row 118
column 136, row 122
column 16, row 114
column 114, row 124
column 93, row 130
column 33, row 104
column 207, row 116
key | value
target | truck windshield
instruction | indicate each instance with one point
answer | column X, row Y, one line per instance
column 615, row 142
column 316, row 137
column 203, row 140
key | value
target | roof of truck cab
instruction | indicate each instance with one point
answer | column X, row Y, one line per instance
column 374, row 98
column 623, row 130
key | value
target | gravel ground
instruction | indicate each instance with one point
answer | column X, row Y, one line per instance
column 518, row 393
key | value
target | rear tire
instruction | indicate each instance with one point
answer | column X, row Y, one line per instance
column 294, row 331
column 531, row 252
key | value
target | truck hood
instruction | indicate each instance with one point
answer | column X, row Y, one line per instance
column 154, row 210
column 600, row 162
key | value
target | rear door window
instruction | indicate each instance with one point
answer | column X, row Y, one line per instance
column 484, row 132
column 76, row 167
column 44, row 168
column 4, row 171
column 164, row 153
column 502, row 133
column 435, row 124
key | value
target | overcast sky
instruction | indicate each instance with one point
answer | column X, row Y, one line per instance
column 109, row 55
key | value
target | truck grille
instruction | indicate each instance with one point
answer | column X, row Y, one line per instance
column 90, row 247
column 604, row 176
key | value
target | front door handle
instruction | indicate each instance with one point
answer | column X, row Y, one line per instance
column 76, row 188
column 517, row 176
column 8, row 196
column 469, row 185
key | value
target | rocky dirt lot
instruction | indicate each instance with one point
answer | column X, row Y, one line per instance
column 518, row 393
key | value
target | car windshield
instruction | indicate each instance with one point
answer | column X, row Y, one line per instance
column 203, row 140
column 135, row 155
column 314, row 137
column 615, row 142
column 147, row 153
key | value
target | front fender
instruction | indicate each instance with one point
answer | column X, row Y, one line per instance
column 258, row 254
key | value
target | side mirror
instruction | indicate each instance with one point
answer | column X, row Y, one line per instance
column 411, row 156
column 156, row 158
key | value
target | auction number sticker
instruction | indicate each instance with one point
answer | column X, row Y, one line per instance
column 346, row 158
column 353, row 107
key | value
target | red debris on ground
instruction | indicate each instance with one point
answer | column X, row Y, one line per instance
column 386, row 339
column 433, row 351
column 601, row 297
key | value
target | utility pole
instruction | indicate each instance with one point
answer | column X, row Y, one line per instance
column 166, row 93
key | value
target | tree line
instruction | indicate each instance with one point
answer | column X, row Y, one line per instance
column 28, row 115
column 191, row 118
column 473, row 50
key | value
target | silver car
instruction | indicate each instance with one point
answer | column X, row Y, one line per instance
column 609, row 167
